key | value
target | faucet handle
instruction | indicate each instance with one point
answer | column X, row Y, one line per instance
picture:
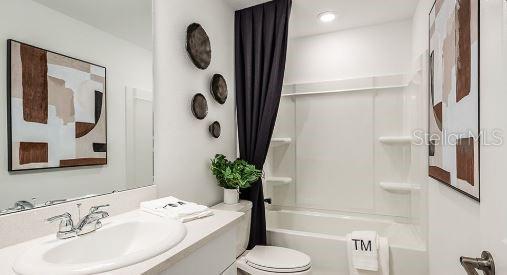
column 94, row 209
column 66, row 227
column 63, row 217
column 66, row 223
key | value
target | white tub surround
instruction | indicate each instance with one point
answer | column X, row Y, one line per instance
column 376, row 145
column 203, row 237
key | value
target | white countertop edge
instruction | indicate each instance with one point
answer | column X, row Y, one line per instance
column 199, row 232
column 195, row 239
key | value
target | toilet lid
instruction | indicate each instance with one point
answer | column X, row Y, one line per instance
column 277, row 259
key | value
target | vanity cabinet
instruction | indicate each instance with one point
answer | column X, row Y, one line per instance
column 217, row 256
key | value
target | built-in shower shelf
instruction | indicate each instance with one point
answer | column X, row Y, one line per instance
column 280, row 141
column 398, row 187
column 364, row 84
column 401, row 140
column 278, row 180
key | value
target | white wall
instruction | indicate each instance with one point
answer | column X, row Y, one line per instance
column 127, row 65
column 362, row 52
column 183, row 146
column 453, row 219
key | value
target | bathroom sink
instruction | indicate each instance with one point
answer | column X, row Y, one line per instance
column 122, row 241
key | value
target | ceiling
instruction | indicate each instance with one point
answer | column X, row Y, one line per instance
column 351, row 13
column 130, row 20
column 241, row 4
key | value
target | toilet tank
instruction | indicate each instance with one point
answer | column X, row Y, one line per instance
column 243, row 229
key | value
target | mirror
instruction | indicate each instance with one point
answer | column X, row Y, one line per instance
column 51, row 82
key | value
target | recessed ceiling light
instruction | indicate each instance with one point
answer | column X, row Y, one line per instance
column 328, row 16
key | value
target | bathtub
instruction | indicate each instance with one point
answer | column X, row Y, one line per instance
column 322, row 237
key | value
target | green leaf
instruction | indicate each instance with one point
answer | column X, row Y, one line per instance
column 236, row 174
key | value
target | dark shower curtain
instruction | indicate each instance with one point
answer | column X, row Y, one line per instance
column 260, row 52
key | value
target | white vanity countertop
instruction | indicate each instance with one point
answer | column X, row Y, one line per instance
column 199, row 232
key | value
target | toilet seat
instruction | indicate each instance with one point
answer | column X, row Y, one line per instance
column 279, row 270
column 277, row 260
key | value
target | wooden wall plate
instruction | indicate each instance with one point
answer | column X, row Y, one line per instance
column 199, row 106
column 219, row 88
column 215, row 129
column 198, row 46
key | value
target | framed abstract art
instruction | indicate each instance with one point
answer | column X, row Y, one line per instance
column 56, row 110
column 454, row 131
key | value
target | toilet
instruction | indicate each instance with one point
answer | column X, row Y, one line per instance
column 264, row 260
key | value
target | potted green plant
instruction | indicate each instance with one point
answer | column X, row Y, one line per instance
column 233, row 176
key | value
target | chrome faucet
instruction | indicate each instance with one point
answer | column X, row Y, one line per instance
column 87, row 224
column 19, row 206
column 91, row 222
column 23, row 205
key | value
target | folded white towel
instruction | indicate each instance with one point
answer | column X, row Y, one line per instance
column 177, row 209
column 363, row 245
column 382, row 257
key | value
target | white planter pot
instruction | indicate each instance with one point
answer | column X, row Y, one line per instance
column 231, row 196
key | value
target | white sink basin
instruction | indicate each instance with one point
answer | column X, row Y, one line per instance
column 123, row 240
